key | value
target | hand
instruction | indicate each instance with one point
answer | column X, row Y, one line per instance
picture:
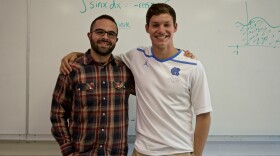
column 189, row 54
column 66, row 61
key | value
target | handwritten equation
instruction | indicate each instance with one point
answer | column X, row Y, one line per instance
column 116, row 4
column 258, row 32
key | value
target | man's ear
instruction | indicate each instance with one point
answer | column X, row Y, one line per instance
column 89, row 35
column 147, row 27
column 175, row 26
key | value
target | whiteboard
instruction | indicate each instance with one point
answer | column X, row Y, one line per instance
column 13, row 55
column 237, row 41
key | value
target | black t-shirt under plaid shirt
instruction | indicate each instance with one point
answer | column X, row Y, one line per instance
column 89, row 111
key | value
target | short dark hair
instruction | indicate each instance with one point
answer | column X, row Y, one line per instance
column 160, row 8
column 103, row 17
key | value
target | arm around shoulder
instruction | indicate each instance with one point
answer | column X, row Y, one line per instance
column 65, row 67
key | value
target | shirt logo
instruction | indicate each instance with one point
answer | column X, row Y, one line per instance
column 146, row 63
column 175, row 71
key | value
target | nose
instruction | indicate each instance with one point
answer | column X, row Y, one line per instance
column 161, row 28
column 106, row 35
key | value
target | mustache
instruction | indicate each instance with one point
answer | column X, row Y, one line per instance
column 104, row 40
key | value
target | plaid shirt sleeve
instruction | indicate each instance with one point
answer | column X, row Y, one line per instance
column 60, row 113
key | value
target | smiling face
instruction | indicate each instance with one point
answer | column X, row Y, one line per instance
column 161, row 29
column 103, row 44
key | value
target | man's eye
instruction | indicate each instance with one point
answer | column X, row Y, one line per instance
column 100, row 32
column 113, row 34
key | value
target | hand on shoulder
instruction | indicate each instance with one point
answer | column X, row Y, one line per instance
column 67, row 60
column 189, row 54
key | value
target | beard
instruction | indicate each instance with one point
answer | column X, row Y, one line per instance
column 102, row 51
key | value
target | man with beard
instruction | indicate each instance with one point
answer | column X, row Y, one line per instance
column 89, row 111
